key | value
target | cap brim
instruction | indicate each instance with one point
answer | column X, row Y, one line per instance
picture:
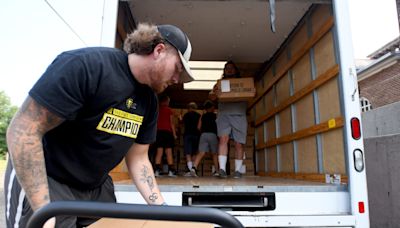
column 187, row 75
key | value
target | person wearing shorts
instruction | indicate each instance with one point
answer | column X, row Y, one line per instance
column 191, row 135
column 231, row 124
column 166, row 135
column 208, row 138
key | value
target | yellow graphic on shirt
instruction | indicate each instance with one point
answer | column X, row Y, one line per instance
column 119, row 122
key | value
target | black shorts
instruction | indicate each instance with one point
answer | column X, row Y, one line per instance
column 190, row 144
column 165, row 139
column 18, row 210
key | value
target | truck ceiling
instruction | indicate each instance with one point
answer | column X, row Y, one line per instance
column 226, row 30
column 221, row 30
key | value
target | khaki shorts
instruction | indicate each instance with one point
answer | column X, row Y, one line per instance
column 233, row 125
column 208, row 142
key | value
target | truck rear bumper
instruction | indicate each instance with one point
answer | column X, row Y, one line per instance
column 298, row 221
column 292, row 209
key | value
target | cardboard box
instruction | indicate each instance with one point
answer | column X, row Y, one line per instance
column 236, row 89
column 121, row 223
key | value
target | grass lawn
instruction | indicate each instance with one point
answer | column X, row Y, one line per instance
column 3, row 164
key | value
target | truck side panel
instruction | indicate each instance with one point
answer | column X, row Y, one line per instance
column 354, row 146
column 298, row 116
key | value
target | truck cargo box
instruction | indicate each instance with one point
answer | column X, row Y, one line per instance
column 303, row 122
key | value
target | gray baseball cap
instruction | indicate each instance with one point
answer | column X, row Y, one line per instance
column 180, row 41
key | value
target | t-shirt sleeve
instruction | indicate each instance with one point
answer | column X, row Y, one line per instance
column 65, row 86
column 148, row 131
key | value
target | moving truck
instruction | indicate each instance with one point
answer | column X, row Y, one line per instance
column 305, row 164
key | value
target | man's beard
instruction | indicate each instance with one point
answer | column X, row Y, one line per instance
column 156, row 86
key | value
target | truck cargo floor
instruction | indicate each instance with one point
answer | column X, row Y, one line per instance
column 245, row 184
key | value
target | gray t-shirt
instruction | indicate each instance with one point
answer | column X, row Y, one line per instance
column 232, row 108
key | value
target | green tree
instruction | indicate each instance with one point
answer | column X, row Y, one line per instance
column 7, row 111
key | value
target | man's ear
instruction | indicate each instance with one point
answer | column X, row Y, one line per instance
column 158, row 49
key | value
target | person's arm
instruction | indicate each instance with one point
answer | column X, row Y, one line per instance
column 199, row 123
column 213, row 93
column 171, row 120
column 141, row 171
column 24, row 140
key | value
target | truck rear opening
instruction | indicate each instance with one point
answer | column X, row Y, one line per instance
column 305, row 165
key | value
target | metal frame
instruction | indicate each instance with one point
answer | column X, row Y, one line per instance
column 115, row 210
column 347, row 74
column 108, row 25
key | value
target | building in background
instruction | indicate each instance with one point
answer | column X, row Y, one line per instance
column 379, row 77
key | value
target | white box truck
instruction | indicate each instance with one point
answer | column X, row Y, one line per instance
column 305, row 164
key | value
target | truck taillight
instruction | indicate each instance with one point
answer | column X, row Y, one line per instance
column 361, row 207
column 355, row 128
column 358, row 160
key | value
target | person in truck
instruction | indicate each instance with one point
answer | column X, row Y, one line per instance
column 90, row 109
column 166, row 135
column 191, row 135
column 231, row 124
column 208, row 138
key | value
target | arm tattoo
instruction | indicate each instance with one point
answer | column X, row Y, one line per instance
column 153, row 197
column 146, row 177
column 24, row 139
column 149, row 180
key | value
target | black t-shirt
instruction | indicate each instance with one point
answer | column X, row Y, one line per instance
column 208, row 123
column 190, row 121
column 106, row 111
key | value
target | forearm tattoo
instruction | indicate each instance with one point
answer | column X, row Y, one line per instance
column 149, row 180
column 24, row 139
column 153, row 197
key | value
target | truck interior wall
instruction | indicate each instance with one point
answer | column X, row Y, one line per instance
column 272, row 157
column 307, row 155
column 301, row 75
column 329, row 106
column 298, row 117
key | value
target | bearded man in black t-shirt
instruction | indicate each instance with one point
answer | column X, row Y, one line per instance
column 89, row 110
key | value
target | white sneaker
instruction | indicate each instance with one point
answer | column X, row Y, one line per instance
column 157, row 173
column 171, row 174
column 215, row 174
column 193, row 172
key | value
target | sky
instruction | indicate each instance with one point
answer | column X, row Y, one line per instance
column 32, row 34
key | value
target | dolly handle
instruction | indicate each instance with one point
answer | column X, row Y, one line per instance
column 133, row 211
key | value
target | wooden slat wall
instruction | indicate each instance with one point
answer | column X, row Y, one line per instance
column 307, row 155
column 288, row 126
column 271, row 160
